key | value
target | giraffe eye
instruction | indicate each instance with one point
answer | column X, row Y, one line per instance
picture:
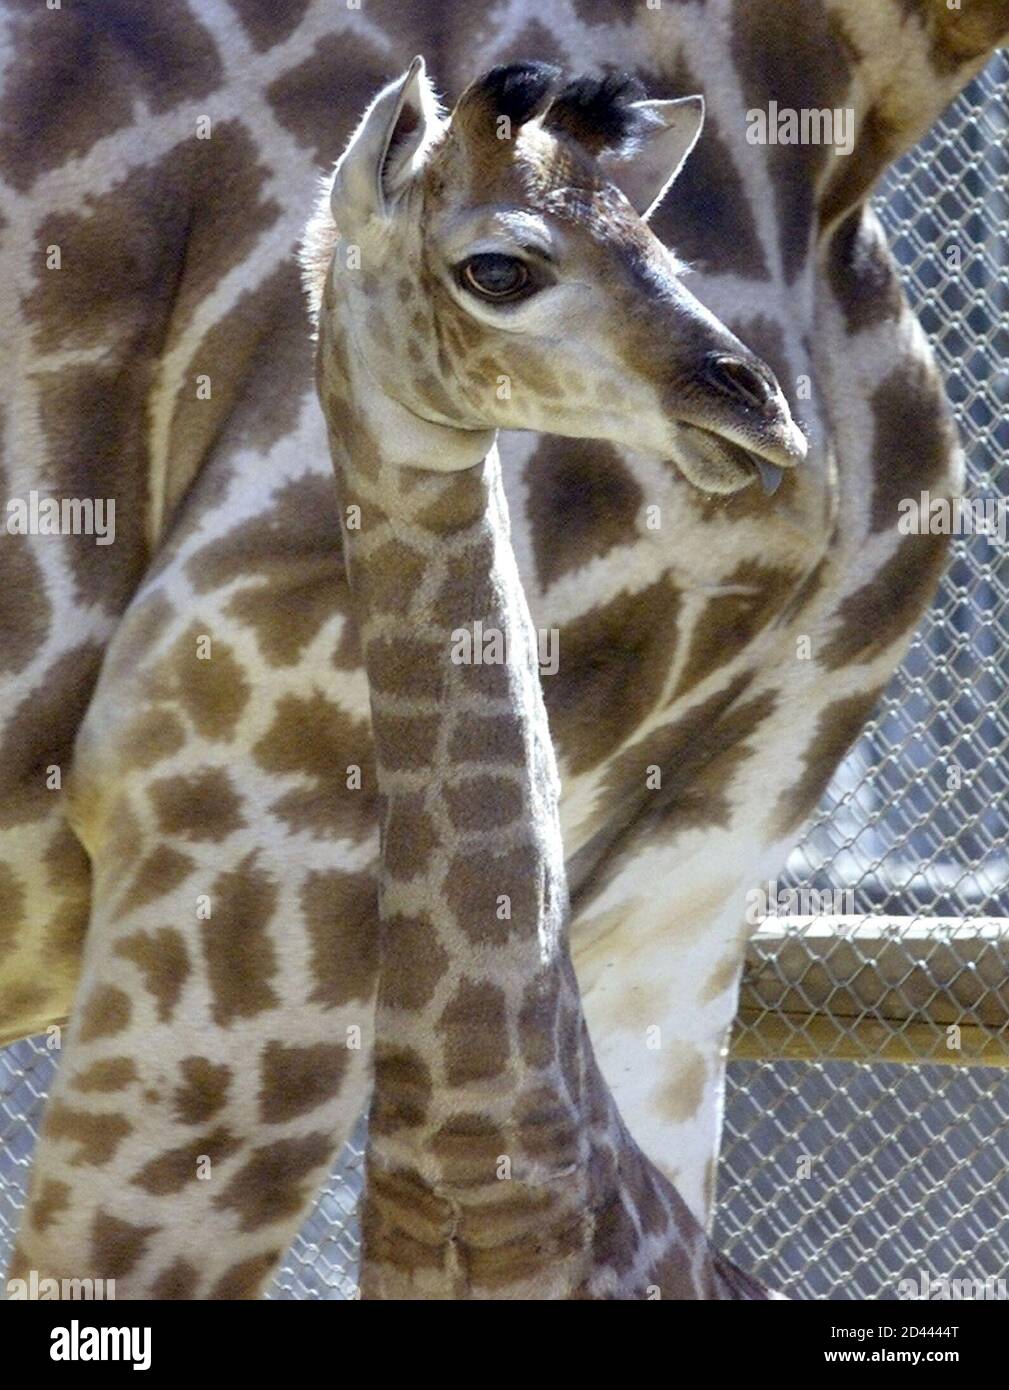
column 496, row 277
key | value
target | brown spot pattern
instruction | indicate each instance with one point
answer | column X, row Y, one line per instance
column 52, row 1200
column 613, row 665
column 255, row 355
column 213, row 691
column 409, row 836
column 836, row 730
column 314, row 737
column 151, row 736
column 700, row 755
column 414, row 960
column 175, row 1169
column 486, row 737
column 582, row 502
column 237, row 947
column 302, row 99
column 246, row 1278
column 199, row 806
column 888, row 606
column 468, row 1147
column 291, row 558
column 473, row 1028
column 707, row 218
column 140, row 258
column 681, row 1096
column 722, row 978
column 268, row 24
column 204, row 1092
column 402, row 1091
column 106, row 1012
column 12, row 904
column 341, row 911
column 295, row 1080
column 163, row 870
column 476, row 880
column 546, row 1127
column 730, row 622
column 273, row 1185
column 97, row 1137
column 861, row 273
column 537, row 1041
column 913, row 438
column 793, row 53
column 179, row 1281
column 107, row 1074
column 78, row 79
column 163, row 960
column 40, row 732
column 483, row 802
column 117, row 1246
column 25, row 610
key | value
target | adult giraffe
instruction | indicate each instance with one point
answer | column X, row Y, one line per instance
column 183, row 777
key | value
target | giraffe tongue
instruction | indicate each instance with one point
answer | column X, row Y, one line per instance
column 770, row 474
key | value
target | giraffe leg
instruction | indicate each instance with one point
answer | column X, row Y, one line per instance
column 219, row 1051
column 50, row 654
column 44, row 895
column 207, row 1083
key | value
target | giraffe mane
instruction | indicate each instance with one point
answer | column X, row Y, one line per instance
column 316, row 248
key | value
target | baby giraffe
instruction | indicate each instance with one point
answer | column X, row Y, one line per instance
column 494, row 269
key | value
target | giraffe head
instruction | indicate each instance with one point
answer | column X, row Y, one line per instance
column 495, row 269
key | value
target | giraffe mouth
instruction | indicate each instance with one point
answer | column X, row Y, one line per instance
column 714, row 464
column 770, row 474
column 759, row 469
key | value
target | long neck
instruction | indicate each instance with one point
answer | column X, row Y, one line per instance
column 476, row 1001
column 498, row 1165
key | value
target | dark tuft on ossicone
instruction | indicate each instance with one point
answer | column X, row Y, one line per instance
column 519, row 91
column 597, row 111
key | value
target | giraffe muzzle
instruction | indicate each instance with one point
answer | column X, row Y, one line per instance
column 765, row 433
column 724, row 454
column 731, row 422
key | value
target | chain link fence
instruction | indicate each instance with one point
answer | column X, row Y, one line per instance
column 866, row 1137
column 865, row 1142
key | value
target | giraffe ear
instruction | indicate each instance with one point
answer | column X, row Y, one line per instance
column 644, row 169
column 389, row 145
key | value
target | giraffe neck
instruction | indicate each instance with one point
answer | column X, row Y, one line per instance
column 498, row 1164
column 477, row 1020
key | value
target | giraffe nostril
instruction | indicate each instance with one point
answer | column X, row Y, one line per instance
column 741, row 381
